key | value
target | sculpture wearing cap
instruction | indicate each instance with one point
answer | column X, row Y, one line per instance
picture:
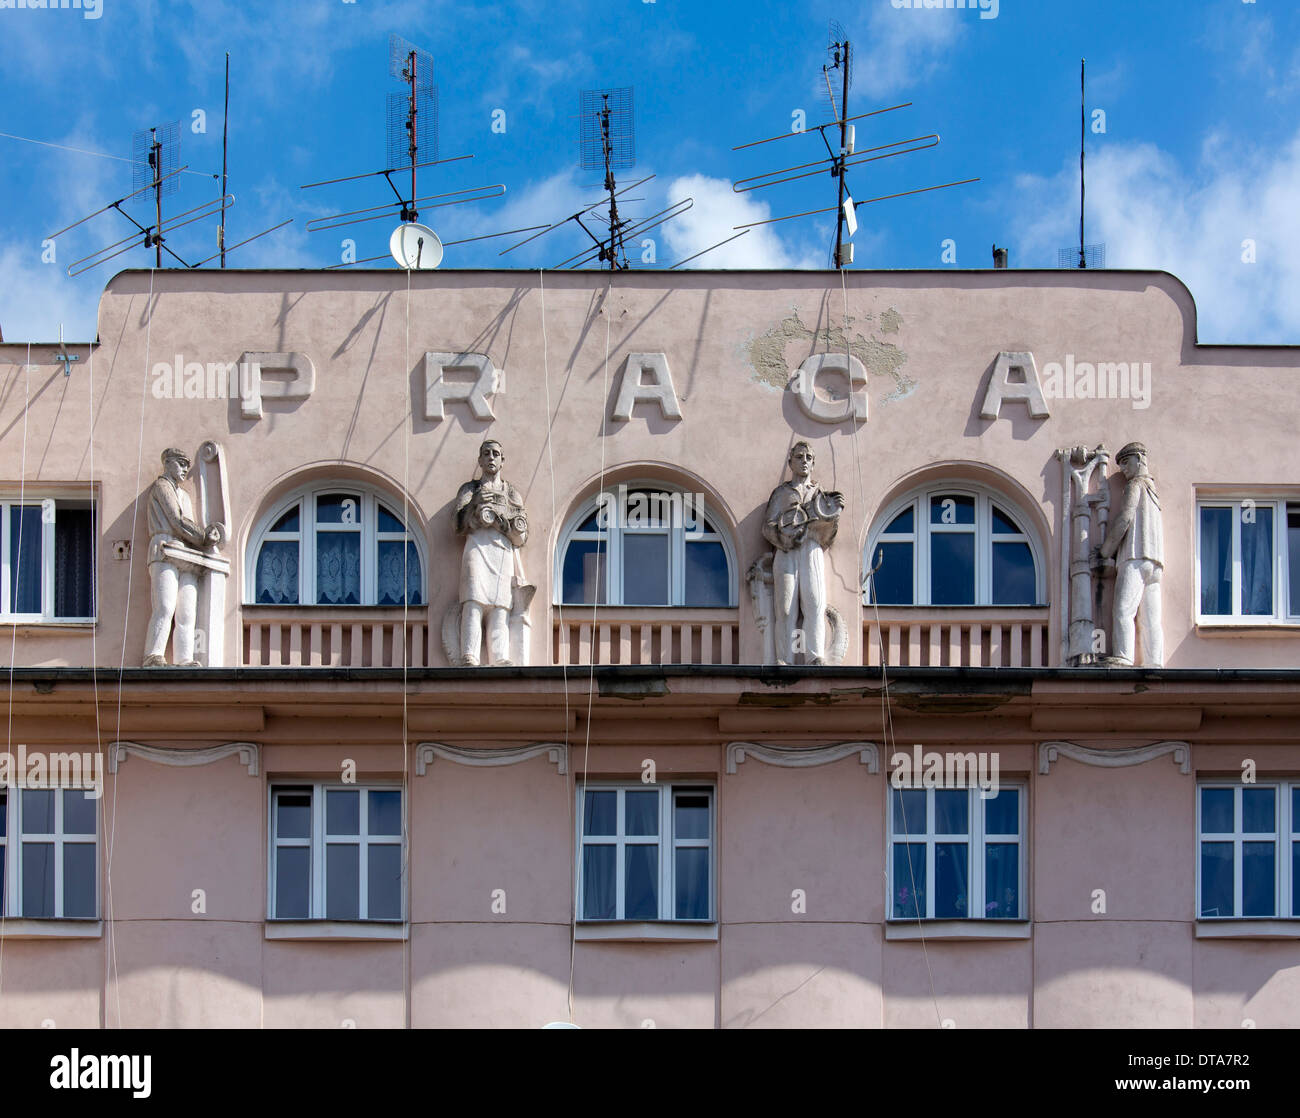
column 1133, row 551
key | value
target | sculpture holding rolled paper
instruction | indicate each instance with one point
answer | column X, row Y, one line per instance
column 1085, row 514
column 788, row 585
column 494, row 596
column 187, row 577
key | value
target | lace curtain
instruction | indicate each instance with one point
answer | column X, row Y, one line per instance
column 391, row 570
column 277, row 573
column 338, row 568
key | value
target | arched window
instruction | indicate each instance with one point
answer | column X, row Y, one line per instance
column 646, row 544
column 954, row 545
column 334, row 545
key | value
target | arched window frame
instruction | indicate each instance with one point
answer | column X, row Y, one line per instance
column 306, row 496
column 614, row 549
column 985, row 498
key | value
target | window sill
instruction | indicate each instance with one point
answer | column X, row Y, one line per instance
column 648, row 931
column 336, row 929
column 1247, row 628
column 80, row 625
column 1264, row 927
column 932, row 930
column 22, row 928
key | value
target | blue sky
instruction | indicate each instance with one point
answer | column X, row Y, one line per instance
column 1200, row 153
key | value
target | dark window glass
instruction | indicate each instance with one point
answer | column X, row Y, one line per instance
column 384, row 809
column 909, row 811
column 1216, row 811
column 343, row 811
column 599, row 900
column 706, row 574
column 692, row 816
column 961, row 510
column 74, row 562
column 1002, row 813
column 892, row 582
column 903, row 522
column 339, row 508
column 951, row 811
column 641, row 813
column 38, row 811
column 393, row 567
column 388, row 522
column 1258, row 879
column 1258, row 810
column 1257, row 563
column 1216, row 561
column 645, row 569
column 78, row 812
column 38, row 880
column 79, row 867
column 288, row 522
column 952, row 568
column 909, row 880
column 384, row 882
column 692, row 883
column 599, row 813
column 641, row 881
column 1013, row 575
column 1001, row 881
column 950, row 886
column 1216, row 879
column 292, row 881
column 584, row 572
column 1003, row 524
column 1293, row 555
column 342, row 881
column 25, row 559
column 277, row 573
column 293, row 815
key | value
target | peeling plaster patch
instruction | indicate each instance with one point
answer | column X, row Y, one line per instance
column 767, row 352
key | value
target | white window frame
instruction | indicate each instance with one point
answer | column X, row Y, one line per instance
column 319, row 839
column 1285, row 612
column 666, row 840
column 49, row 506
column 676, row 531
column 59, row 838
column 1286, row 831
column 985, row 537
column 305, row 498
column 977, row 840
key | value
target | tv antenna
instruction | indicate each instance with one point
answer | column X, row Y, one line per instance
column 1088, row 256
column 155, row 155
column 839, row 158
column 412, row 131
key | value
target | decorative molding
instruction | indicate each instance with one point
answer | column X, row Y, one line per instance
column 248, row 753
column 555, row 752
column 1049, row 751
column 801, row 756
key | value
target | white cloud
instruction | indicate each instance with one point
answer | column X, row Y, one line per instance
column 716, row 209
column 1152, row 213
column 907, row 46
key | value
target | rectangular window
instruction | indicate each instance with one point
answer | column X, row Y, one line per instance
column 955, row 855
column 47, row 559
column 1248, row 856
column 1248, row 561
column 645, row 852
column 49, row 865
column 336, row 853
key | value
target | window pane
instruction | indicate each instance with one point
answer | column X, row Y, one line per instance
column 1013, row 575
column 384, row 809
column 338, row 508
column 293, row 815
column 1295, row 879
column 343, row 812
column 338, row 568
column 1216, row 561
column 640, row 813
column 646, row 508
column 391, row 572
column 38, row 811
column 1002, row 881
column 25, row 558
column 38, row 880
column 1002, row 813
column 1293, row 555
column 1295, row 815
column 584, row 573
column 1003, row 524
column 950, row 872
column 288, row 522
column 892, row 582
column 1216, row 811
column 598, row 883
column 74, row 562
column 909, row 879
column 385, row 881
column 952, row 568
column 1216, row 879
column 388, row 522
column 342, row 881
column 951, row 811
column 641, row 882
column 902, row 522
column 78, row 812
column 292, row 876
column 1258, row 879
column 1258, row 810
column 706, row 574
column 645, row 569
column 1257, row 562
column 600, row 813
column 692, row 881
column 79, row 879
column 277, row 573
column 952, row 509
column 592, row 523
column 692, row 816
column 909, row 811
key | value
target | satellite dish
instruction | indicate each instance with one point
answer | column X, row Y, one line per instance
column 415, row 247
column 561, row 1025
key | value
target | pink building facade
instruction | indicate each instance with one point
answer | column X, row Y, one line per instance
column 895, row 760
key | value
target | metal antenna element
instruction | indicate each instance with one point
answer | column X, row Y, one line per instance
column 840, row 155
column 154, row 152
column 1086, row 256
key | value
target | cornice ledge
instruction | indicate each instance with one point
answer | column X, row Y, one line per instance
column 1049, row 751
column 801, row 756
column 555, row 752
column 248, row 753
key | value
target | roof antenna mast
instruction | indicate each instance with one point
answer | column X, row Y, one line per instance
column 1083, row 131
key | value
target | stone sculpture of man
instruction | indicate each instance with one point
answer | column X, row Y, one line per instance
column 1135, row 541
column 174, row 582
column 800, row 523
column 490, row 515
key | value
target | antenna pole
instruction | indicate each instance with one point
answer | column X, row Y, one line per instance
column 615, row 239
column 155, row 161
column 839, row 163
column 225, row 133
column 1083, row 114
column 410, row 125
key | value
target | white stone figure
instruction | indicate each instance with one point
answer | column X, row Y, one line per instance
column 800, row 523
column 1135, row 546
column 1085, row 514
column 180, row 553
column 490, row 515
